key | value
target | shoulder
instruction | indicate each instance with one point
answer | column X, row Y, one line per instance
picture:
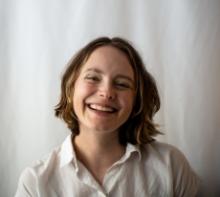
column 48, row 163
column 167, row 154
column 165, row 151
column 46, row 171
column 33, row 175
column 162, row 152
column 184, row 180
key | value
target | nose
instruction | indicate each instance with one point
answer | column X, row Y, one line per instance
column 106, row 91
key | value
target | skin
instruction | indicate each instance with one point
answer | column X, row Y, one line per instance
column 103, row 100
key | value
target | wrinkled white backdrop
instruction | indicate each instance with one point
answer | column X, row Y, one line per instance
column 178, row 39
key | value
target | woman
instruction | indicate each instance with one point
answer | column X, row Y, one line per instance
column 108, row 101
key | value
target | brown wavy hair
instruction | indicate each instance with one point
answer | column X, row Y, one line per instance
column 140, row 127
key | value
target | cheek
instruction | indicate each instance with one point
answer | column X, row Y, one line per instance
column 129, row 101
column 77, row 94
column 81, row 92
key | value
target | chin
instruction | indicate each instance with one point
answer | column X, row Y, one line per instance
column 104, row 129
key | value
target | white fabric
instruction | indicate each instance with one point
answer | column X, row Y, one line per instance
column 179, row 41
column 157, row 169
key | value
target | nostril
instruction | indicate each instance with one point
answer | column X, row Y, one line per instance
column 107, row 95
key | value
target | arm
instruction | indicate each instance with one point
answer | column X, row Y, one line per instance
column 27, row 185
column 185, row 181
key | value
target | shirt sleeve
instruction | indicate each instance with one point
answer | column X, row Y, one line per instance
column 185, row 181
column 27, row 185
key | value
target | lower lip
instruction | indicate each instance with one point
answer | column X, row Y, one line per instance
column 101, row 113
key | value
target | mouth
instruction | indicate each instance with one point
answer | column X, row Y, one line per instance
column 102, row 108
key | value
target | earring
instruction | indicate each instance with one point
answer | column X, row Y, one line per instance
column 68, row 100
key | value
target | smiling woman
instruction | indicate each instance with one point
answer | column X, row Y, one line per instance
column 115, row 54
column 108, row 101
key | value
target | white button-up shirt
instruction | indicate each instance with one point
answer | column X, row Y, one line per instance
column 155, row 169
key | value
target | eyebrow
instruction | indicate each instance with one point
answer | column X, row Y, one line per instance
column 118, row 76
column 94, row 70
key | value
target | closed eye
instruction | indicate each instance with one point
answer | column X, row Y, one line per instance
column 92, row 78
column 122, row 85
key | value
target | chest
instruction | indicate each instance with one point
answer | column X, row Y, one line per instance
column 123, row 180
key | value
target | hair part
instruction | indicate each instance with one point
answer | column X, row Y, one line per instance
column 140, row 127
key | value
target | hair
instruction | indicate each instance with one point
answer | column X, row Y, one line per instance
column 140, row 127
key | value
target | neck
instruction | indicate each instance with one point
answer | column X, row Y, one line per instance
column 98, row 151
column 98, row 143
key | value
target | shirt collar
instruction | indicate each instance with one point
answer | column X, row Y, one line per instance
column 130, row 148
column 67, row 153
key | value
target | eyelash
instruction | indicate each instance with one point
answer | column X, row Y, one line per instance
column 92, row 78
column 119, row 85
column 122, row 85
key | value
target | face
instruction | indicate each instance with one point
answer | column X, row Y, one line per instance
column 103, row 94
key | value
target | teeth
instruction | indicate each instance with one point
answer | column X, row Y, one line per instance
column 101, row 108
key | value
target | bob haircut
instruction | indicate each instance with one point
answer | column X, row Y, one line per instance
column 139, row 128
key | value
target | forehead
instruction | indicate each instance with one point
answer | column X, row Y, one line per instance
column 109, row 58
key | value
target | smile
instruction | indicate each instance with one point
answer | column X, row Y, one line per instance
column 102, row 108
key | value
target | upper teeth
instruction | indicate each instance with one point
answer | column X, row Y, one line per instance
column 101, row 108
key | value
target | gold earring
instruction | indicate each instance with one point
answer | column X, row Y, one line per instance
column 68, row 100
